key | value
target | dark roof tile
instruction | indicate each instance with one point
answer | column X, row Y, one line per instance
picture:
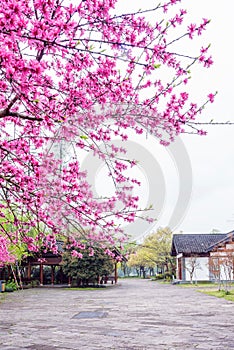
column 194, row 243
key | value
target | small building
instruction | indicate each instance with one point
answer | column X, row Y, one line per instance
column 49, row 267
column 222, row 259
column 42, row 260
column 192, row 252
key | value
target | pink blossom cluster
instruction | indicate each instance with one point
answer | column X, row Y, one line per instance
column 5, row 256
column 76, row 72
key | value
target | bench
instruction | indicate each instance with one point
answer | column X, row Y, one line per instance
column 105, row 279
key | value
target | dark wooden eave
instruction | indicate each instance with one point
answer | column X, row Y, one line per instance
column 229, row 237
column 195, row 244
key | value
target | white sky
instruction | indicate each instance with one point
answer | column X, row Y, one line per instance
column 211, row 156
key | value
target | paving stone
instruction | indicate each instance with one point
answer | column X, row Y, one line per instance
column 90, row 314
column 133, row 315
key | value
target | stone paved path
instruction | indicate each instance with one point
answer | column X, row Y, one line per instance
column 134, row 315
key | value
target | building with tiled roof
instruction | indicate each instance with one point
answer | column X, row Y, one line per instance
column 222, row 259
column 195, row 243
column 192, row 252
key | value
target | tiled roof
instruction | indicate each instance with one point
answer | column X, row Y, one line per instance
column 229, row 237
column 195, row 243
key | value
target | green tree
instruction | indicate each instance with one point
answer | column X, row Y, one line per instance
column 127, row 249
column 139, row 260
column 154, row 251
column 84, row 267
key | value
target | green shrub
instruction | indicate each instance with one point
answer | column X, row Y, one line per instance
column 10, row 286
column 35, row 283
column 167, row 276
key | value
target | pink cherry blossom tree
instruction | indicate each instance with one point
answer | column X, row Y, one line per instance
column 83, row 73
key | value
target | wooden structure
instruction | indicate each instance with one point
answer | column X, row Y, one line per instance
column 194, row 249
column 45, row 259
column 54, row 261
column 222, row 258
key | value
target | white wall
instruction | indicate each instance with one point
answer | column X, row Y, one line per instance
column 201, row 272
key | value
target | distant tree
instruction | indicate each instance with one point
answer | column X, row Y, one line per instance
column 86, row 265
column 127, row 249
column 140, row 262
column 192, row 264
column 154, row 251
column 227, row 264
column 158, row 247
column 222, row 267
column 214, row 268
column 215, row 230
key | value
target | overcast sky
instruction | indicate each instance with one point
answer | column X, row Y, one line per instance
column 192, row 184
column 212, row 156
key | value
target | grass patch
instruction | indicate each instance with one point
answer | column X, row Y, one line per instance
column 198, row 285
column 220, row 294
column 210, row 288
column 201, row 285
